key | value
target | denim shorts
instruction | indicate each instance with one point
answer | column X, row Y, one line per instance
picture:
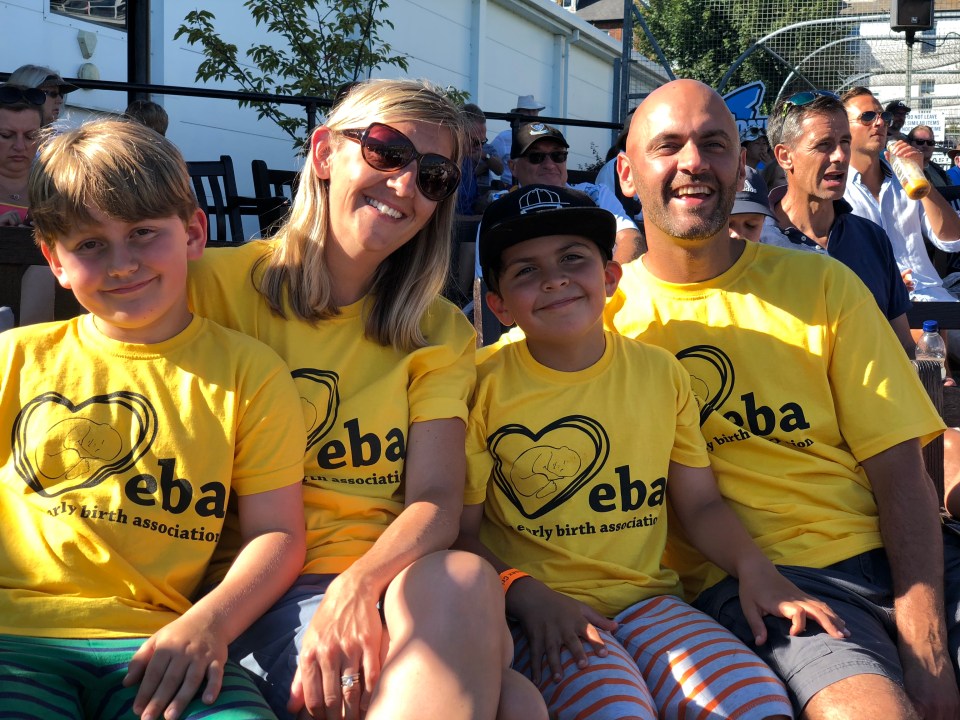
column 860, row 590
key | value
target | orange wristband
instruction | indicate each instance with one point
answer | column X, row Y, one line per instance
column 509, row 577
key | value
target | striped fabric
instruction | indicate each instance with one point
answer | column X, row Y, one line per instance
column 42, row 678
column 666, row 660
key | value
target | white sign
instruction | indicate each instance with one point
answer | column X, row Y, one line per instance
column 936, row 121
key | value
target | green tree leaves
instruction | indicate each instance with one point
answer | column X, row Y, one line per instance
column 315, row 48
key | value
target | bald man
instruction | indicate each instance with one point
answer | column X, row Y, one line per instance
column 814, row 419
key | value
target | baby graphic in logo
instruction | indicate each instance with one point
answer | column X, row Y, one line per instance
column 59, row 445
column 540, row 470
column 75, row 447
column 537, row 471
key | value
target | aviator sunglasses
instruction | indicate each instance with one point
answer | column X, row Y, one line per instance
column 805, row 98
column 386, row 149
column 11, row 94
column 870, row 117
column 535, row 158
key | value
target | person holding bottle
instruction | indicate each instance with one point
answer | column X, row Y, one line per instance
column 874, row 192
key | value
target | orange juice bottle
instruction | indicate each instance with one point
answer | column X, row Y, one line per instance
column 910, row 175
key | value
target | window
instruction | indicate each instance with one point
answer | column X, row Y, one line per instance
column 111, row 13
column 925, row 101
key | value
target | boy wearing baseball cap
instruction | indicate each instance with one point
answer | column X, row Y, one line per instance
column 751, row 208
column 576, row 440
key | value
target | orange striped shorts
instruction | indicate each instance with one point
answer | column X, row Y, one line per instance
column 666, row 660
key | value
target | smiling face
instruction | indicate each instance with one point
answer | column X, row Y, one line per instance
column 19, row 136
column 372, row 212
column 546, row 172
column 684, row 161
column 554, row 287
column 131, row 275
column 817, row 162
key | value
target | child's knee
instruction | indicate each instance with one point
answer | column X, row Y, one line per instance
column 519, row 698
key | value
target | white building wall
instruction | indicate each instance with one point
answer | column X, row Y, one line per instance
column 494, row 49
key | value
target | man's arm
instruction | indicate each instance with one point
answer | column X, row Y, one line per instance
column 909, row 524
column 941, row 219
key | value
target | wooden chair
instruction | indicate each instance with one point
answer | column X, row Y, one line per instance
column 215, row 185
column 17, row 253
column 275, row 190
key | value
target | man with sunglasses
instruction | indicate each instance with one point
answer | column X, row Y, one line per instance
column 539, row 156
column 921, row 137
column 874, row 193
column 813, row 419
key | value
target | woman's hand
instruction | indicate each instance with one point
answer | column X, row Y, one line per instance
column 173, row 663
column 11, row 218
column 551, row 621
column 343, row 638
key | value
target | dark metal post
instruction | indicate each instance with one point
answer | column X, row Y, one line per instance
column 138, row 46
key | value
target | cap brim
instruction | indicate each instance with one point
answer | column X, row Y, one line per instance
column 590, row 222
column 742, row 207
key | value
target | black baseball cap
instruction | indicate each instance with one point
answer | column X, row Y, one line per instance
column 897, row 106
column 753, row 197
column 527, row 134
column 534, row 211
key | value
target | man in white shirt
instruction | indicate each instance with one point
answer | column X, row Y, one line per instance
column 526, row 105
column 875, row 193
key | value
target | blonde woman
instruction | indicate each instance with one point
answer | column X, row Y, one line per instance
column 384, row 618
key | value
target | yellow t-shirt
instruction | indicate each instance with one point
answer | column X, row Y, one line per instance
column 116, row 461
column 359, row 399
column 572, row 468
column 799, row 378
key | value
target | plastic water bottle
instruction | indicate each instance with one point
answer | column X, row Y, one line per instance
column 910, row 175
column 931, row 347
column 6, row 318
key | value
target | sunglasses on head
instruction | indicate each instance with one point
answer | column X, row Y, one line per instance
column 870, row 117
column 10, row 95
column 806, row 97
column 386, row 149
column 535, row 158
column 920, row 143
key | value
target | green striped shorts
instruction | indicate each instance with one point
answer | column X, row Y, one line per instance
column 46, row 678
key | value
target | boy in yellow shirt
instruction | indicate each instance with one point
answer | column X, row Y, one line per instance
column 577, row 440
column 122, row 434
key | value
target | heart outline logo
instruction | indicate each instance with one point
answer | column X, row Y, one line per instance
column 544, row 475
column 76, row 444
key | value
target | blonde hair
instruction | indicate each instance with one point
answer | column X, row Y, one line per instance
column 409, row 279
column 118, row 167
